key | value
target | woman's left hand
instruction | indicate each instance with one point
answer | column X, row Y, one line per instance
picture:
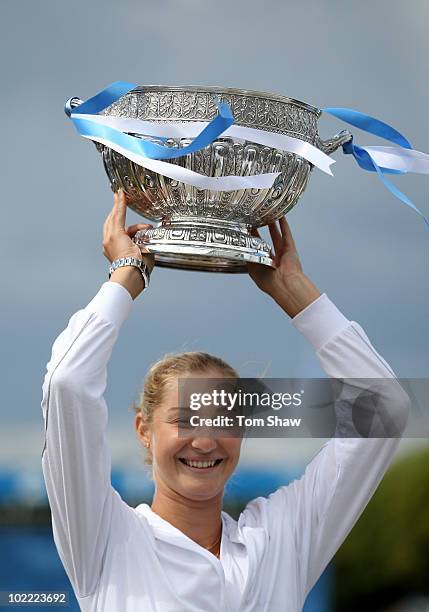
column 286, row 283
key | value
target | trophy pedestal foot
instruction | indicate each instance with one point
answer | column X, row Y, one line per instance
column 209, row 245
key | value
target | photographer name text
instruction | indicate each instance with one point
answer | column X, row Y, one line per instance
column 240, row 420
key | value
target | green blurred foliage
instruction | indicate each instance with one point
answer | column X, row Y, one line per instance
column 386, row 556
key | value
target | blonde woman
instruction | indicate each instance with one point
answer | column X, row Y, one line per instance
column 183, row 553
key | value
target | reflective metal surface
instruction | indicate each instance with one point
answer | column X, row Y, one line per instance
column 202, row 229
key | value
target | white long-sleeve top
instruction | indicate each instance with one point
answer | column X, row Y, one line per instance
column 124, row 559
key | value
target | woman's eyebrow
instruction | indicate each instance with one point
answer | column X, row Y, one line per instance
column 174, row 410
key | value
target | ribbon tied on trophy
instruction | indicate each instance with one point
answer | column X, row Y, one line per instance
column 231, row 167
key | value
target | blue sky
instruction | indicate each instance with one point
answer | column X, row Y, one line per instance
column 365, row 249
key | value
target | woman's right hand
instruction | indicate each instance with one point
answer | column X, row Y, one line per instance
column 286, row 282
column 117, row 240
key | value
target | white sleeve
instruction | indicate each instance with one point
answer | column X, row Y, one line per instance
column 322, row 506
column 76, row 458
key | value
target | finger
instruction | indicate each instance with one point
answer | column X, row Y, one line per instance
column 115, row 201
column 120, row 210
column 287, row 234
column 276, row 237
column 132, row 229
column 106, row 223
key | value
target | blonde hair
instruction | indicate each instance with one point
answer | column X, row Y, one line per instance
column 171, row 366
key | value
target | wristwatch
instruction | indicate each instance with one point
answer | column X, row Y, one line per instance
column 132, row 261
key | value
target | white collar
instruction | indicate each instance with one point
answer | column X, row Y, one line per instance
column 162, row 529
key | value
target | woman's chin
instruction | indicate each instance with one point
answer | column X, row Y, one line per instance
column 197, row 487
column 199, row 493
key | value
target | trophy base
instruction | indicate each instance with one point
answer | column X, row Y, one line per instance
column 208, row 245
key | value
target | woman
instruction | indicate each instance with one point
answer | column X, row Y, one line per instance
column 183, row 553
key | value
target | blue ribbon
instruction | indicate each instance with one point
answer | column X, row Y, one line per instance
column 222, row 122
column 369, row 124
column 104, row 98
column 116, row 90
column 362, row 157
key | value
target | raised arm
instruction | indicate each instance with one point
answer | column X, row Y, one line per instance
column 76, row 459
column 339, row 482
column 321, row 508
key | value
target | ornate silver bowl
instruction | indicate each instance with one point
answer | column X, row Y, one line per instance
column 200, row 229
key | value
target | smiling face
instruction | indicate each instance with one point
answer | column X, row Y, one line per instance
column 196, row 467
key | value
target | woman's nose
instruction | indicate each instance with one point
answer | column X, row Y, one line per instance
column 204, row 444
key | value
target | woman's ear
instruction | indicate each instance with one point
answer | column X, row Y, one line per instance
column 142, row 429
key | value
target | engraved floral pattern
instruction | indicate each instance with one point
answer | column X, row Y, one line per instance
column 159, row 198
column 252, row 111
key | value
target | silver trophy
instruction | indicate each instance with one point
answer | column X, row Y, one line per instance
column 201, row 229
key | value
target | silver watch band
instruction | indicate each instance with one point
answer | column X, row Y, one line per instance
column 132, row 261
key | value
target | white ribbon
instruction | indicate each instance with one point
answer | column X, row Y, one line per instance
column 178, row 173
column 399, row 158
column 191, row 129
column 395, row 158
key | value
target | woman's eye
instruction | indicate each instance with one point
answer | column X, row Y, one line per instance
column 181, row 422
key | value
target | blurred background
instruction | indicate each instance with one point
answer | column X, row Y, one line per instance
column 361, row 246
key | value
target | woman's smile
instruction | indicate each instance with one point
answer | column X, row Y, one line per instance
column 205, row 466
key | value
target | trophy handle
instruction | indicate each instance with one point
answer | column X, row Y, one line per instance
column 71, row 104
column 332, row 144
